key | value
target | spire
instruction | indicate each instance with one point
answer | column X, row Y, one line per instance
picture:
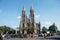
column 24, row 8
column 31, row 8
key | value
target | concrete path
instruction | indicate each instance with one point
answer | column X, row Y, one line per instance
column 28, row 39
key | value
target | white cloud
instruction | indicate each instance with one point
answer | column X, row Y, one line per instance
column 48, row 23
column 19, row 17
column 37, row 16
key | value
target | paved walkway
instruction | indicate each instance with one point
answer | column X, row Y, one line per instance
column 28, row 39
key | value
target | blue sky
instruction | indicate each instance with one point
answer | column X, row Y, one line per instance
column 46, row 12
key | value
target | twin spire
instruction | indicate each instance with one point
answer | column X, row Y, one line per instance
column 24, row 8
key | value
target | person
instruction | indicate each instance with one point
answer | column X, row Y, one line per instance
column 1, row 37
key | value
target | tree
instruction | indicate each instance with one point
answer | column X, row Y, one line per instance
column 53, row 28
column 4, row 29
column 44, row 30
column 11, row 31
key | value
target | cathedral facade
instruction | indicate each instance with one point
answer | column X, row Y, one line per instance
column 28, row 25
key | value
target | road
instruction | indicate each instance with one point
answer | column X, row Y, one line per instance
column 38, row 38
column 30, row 39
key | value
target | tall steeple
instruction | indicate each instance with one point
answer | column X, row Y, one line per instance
column 24, row 23
column 24, row 9
column 32, row 20
column 31, row 8
column 31, row 16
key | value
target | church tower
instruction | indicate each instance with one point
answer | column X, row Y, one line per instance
column 23, row 22
column 32, row 20
column 31, row 16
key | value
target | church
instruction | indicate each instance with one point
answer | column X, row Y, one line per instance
column 28, row 25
